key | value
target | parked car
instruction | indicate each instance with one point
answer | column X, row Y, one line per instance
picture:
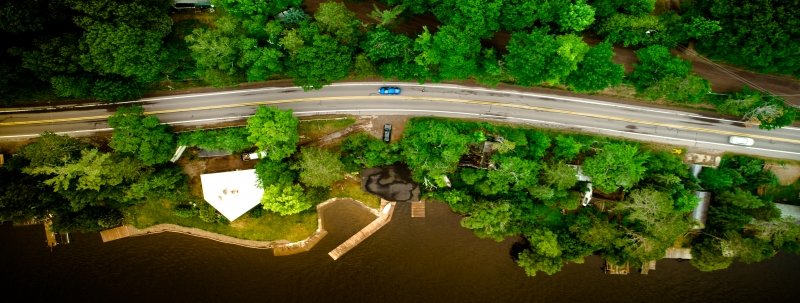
column 387, row 132
column 744, row 141
column 254, row 156
column 389, row 90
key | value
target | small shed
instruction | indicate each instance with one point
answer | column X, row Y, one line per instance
column 184, row 4
column 700, row 212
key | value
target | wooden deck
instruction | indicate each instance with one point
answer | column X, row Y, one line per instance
column 614, row 269
column 647, row 267
column 49, row 234
column 117, row 233
column 418, row 209
column 678, row 253
column 371, row 228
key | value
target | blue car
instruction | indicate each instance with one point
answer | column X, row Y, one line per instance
column 386, row 90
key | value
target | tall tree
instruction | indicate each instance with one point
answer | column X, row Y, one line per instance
column 319, row 167
column 274, row 131
column 538, row 57
column 285, row 199
column 597, row 70
column 142, row 136
column 615, row 166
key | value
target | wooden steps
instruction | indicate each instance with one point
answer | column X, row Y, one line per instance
column 418, row 209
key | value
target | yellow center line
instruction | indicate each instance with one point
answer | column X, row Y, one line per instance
column 448, row 100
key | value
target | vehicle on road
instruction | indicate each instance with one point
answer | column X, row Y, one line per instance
column 744, row 141
column 387, row 133
column 254, row 156
column 389, row 90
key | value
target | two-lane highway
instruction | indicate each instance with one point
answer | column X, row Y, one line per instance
column 635, row 122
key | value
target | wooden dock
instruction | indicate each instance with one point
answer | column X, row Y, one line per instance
column 418, row 209
column 647, row 267
column 117, row 233
column 614, row 269
column 678, row 253
column 50, row 234
column 371, row 228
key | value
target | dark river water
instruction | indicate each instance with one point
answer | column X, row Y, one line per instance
column 409, row 260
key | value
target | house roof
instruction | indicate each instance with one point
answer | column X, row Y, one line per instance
column 232, row 193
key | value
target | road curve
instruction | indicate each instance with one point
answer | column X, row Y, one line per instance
column 581, row 114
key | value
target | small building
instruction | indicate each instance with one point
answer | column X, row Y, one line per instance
column 203, row 153
column 700, row 212
column 184, row 4
column 232, row 193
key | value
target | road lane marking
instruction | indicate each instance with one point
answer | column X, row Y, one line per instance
column 440, row 112
column 422, row 99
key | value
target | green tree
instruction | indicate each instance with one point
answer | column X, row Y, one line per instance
column 633, row 30
column 123, row 50
column 285, row 199
column 538, row 57
column 615, row 166
column 336, row 19
column 708, row 256
column 689, row 89
column 655, row 64
column 271, row 172
column 566, row 148
column 477, row 17
column 491, row 220
column 432, row 149
column 141, row 136
column 320, row 61
column 386, row 17
column 451, row 53
column 247, row 8
column 597, row 70
column 274, row 131
column 759, row 34
column 319, row 167
column 50, row 149
column 606, row 8
column 216, row 52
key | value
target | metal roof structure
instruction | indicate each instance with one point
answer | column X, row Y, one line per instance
column 700, row 212
column 232, row 193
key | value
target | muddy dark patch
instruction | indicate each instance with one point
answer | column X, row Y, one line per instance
column 392, row 183
column 708, row 120
column 739, row 124
column 631, row 127
column 286, row 91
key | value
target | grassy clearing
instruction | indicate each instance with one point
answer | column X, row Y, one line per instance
column 351, row 188
column 268, row 227
column 311, row 130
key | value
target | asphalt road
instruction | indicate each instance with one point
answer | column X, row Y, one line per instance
column 612, row 119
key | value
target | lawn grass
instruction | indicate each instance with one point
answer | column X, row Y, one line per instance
column 268, row 227
column 351, row 188
column 311, row 130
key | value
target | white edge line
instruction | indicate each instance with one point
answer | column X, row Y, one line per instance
column 512, row 92
column 434, row 111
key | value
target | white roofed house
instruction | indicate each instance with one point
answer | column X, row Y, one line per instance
column 232, row 193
